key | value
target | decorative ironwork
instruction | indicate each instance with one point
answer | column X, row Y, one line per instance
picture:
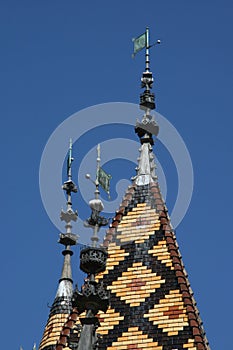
column 96, row 219
column 93, row 260
column 69, row 186
column 68, row 239
column 147, row 126
column 147, row 98
column 93, row 297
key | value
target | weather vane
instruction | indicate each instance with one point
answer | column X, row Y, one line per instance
column 141, row 42
column 96, row 205
column 147, row 127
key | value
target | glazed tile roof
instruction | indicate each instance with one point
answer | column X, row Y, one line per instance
column 151, row 302
column 59, row 313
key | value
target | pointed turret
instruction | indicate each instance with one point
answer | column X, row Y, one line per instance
column 62, row 304
column 151, row 301
column 80, row 333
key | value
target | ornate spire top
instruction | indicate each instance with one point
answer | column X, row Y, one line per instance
column 69, row 215
column 147, row 126
column 62, row 304
column 68, row 238
column 96, row 205
column 93, row 297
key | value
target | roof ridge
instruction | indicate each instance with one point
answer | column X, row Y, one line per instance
column 168, row 228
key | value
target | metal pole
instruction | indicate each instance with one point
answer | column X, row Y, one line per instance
column 97, row 172
column 147, row 51
column 70, row 161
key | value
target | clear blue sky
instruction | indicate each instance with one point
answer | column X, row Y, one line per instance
column 58, row 57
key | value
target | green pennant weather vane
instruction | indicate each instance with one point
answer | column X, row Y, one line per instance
column 102, row 178
column 141, row 42
column 69, row 160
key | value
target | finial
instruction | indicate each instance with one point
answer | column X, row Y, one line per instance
column 147, row 127
column 69, row 187
column 98, row 159
column 69, row 162
column 93, row 297
column 68, row 238
column 147, row 51
column 96, row 205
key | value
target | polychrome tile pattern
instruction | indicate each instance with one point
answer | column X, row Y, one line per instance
column 151, row 301
column 59, row 313
column 52, row 331
column 136, row 284
column 69, row 332
column 170, row 314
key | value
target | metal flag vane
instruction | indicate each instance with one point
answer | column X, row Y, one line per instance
column 141, row 42
column 102, row 178
column 96, row 205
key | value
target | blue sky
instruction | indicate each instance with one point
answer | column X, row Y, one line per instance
column 58, row 57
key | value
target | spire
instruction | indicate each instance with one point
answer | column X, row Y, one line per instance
column 68, row 239
column 146, row 165
column 95, row 220
column 62, row 304
column 93, row 297
column 151, row 301
column 147, row 127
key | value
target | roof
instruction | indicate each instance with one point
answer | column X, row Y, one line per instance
column 58, row 315
column 151, row 301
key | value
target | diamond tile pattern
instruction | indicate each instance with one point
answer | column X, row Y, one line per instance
column 150, row 292
column 151, row 302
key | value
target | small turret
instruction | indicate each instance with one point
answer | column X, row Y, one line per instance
column 62, row 304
